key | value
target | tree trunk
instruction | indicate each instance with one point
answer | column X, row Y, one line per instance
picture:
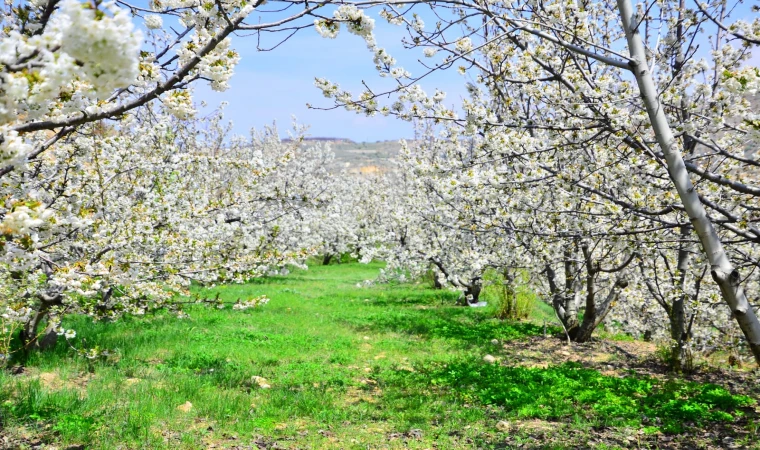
column 437, row 263
column 30, row 336
column 590, row 321
column 680, row 360
column 569, row 319
column 509, row 311
column 48, row 339
column 326, row 259
column 436, row 281
column 586, row 328
column 594, row 314
column 723, row 272
column 471, row 292
column 572, row 290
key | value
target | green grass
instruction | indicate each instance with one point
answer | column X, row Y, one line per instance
column 349, row 367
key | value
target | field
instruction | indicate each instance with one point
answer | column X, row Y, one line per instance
column 327, row 364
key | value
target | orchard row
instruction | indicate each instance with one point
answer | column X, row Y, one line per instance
column 604, row 157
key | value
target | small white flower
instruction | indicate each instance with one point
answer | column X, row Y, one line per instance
column 464, row 45
column 154, row 22
column 327, row 29
column 418, row 24
column 399, row 72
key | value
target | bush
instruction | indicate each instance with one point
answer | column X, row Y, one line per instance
column 512, row 302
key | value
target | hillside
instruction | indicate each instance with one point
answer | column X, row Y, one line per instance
column 361, row 157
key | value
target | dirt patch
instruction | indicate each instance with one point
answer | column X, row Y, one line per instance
column 534, row 425
column 601, row 355
column 52, row 381
column 538, row 434
column 415, row 434
column 20, row 437
column 131, row 381
column 618, row 358
column 369, row 393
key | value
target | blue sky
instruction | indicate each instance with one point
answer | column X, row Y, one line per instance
column 273, row 86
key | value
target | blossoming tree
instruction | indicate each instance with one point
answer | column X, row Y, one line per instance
column 111, row 204
column 624, row 101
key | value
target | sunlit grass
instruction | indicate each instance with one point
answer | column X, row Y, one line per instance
column 348, row 367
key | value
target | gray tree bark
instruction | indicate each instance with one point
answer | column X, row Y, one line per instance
column 679, row 329
column 594, row 314
column 723, row 272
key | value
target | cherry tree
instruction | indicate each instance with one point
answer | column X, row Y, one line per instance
column 111, row 204
column 660, row 112
column 122, row 219
column 338, row 224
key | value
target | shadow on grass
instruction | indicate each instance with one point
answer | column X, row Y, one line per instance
column 571, row 393
column 471, row 328
column 400, row 295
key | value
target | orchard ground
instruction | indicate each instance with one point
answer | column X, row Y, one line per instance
column 327, row 364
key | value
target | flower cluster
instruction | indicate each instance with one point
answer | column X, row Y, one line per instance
column 103, row 42
column 155, row 204
column 251, row 303
column 179, row 104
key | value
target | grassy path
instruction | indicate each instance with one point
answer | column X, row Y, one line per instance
column 327, row 364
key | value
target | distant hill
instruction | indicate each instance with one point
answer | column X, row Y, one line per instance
column 361, row 157
column 323, row 139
